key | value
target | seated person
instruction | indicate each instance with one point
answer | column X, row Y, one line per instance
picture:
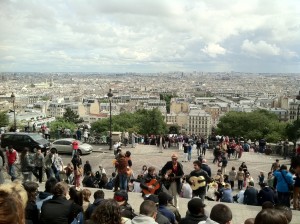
column 149, row 178
column 195, row 213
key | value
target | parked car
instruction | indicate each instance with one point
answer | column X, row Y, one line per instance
column 64, row 145
column 20, row 140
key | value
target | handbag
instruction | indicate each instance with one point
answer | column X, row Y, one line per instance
column 290, row 186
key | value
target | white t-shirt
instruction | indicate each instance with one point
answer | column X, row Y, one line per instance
column 187, row 191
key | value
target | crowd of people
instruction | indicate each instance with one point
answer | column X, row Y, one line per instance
column 160, row 188
column 61, row 204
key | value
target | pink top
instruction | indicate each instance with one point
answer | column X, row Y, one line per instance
column 75, row 145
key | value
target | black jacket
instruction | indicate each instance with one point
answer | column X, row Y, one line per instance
column 250, row 196
column 32, row 213
column 266, row 194
column 193, row 219
column 180, row 173
column 206, row 168
column 58, row 210
column 91, row 208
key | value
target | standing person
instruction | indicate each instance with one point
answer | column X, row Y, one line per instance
column 85, row 135
column 240, row 178
column 87, row 167
column 48, row 161
column 57, row 165
column 205, row 167
column 75, row 147
column 185, row 152
column 78, row 134
column 285, row 148
column 275, row 165
column 39, row 165
column 133, row 140
column 2, row 163
column 26, row 165
column 77, row 175
column 224, row 164
column 180, row 142
column 190, row 152
column 46, row 133
column 12, row 159
column 232, row 176
column 173, row 172
column 198, row 144
column 202, row 179
column 121, row 165
column 284, row 179
column 296, row 191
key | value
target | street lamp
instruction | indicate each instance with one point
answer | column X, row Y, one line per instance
column 13, row 99
column 110, row 95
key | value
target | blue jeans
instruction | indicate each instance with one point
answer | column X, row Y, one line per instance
column 11, row 172
column 189, row 156
column 123, row 181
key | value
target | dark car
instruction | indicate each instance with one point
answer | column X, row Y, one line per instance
column 19, row 140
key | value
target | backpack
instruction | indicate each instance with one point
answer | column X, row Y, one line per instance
column 78, row 219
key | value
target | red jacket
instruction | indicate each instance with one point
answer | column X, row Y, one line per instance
column 11, row 157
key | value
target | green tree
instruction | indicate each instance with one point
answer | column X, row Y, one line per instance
column 174, row 129
column 253, row 125
column 61, row 123
column 4, row 121
column 142, row 122
column 293, row 131
column 167, row 97
column 71, row 116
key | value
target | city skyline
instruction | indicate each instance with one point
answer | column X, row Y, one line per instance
column 150, row 36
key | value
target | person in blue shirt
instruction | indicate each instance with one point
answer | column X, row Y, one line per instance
column 284, row 179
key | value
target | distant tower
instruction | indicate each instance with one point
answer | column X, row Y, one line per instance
column 51, row 82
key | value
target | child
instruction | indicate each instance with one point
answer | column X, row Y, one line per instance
column 261, row 178
column 270, row 180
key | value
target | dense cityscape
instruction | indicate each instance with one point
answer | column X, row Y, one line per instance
column 42, row 97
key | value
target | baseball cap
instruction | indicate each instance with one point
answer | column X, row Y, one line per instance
column 120, row 196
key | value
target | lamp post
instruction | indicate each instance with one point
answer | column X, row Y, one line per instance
column 110, row 95
column 13, row 99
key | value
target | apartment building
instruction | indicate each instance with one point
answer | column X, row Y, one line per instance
column 199, row 123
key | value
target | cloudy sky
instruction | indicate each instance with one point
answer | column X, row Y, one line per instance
column 150, row 35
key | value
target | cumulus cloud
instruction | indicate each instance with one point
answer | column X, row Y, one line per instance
column 152, row 34
column 260, row 48
column 213, row 50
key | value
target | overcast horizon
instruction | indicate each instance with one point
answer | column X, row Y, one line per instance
column 150, row 36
